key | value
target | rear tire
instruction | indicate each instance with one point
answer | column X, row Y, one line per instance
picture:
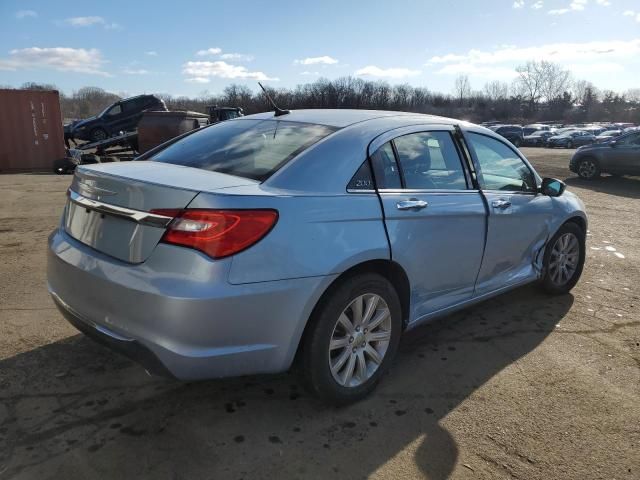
column 563, row 259
column 345, row 353
column 516, row 143
column 98, row 134
column 569, row 144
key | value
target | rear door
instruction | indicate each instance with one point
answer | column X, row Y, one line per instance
column 434, row 219
column 518, row 216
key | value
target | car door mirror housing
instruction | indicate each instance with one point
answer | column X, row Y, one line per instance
column 552, row 187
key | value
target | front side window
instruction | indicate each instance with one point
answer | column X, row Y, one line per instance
column 430, row 160
column 253, row 149
column 501, row 168
column 631, row 140
column 115, row 110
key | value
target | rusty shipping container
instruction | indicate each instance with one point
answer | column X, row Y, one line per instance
column 31, row 131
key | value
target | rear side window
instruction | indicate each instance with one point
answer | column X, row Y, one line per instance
column 385, row 167
column 429, row 160
column 253, row 149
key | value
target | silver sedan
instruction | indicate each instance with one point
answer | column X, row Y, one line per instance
column 317, row 235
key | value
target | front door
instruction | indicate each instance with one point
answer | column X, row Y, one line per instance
column 435, row 221
column 519, row 217
column 624, row 156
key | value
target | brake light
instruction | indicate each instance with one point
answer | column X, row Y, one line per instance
column 218, row 233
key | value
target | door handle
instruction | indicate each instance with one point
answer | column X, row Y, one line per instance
column 412, row 204
column 502, row 204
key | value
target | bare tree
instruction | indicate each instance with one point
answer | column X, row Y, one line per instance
column 633, row 95
column 496, row 90
column 462, row 88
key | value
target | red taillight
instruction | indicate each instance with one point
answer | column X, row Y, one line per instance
column 218, row 233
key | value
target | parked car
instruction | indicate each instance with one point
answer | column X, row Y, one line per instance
column 534, row 127
column 319, row 235
column 571, row 139
column 513, row 133
column 120, row 116
column 608, row 135
column 537, row 138
column 594, row 130
column 618, row 156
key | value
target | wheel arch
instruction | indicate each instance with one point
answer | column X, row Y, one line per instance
column 389, row 269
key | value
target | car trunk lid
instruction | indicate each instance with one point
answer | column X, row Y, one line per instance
column 110, row 206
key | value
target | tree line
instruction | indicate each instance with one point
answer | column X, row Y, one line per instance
column 541, row 91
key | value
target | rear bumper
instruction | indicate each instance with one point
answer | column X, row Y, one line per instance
column 176, row 314
column 129, row 347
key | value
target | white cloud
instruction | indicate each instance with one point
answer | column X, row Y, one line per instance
column 91, row 21
column 197, row 80
column 580, row 58
column 575, row 5
column 240, row 57
column 133, row 71
column 373, row 71
column 324, row 60
column 604, row 3
column 484, row 71
column 537, row 5
column 57, row 58
column 220, row 69
column 556, row 52
column 151, row 53
column 209, row 51
column 310, row 73
column 518, row 4
column 26, row 13
column 578, row 4
column 631, row 13
column 84, row 21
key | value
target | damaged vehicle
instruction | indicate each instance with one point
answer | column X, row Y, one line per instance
column 121, row 116
column 314, row 236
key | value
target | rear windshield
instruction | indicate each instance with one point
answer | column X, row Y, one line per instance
column 253, row 149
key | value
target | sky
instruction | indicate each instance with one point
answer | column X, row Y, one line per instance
column 192, row 47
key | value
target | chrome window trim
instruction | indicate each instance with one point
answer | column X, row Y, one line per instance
column 138, row 216
column 441, row 191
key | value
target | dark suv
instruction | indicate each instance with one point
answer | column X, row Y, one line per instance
column 618, row 156
column 121, row 116
column 513, row 133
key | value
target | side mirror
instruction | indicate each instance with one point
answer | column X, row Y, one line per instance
column 613, row 143
column 552, row 187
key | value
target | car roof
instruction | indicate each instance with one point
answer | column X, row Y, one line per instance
column 341, row 118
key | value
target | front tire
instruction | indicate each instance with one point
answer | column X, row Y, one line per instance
column 564, row 259
column 588, row 168
column 352, row 338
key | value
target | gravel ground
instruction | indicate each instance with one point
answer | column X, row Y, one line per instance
column 523, row 386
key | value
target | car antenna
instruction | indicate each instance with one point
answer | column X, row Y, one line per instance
column 278, row 111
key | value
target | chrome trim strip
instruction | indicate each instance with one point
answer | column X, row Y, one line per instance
column 138, row 216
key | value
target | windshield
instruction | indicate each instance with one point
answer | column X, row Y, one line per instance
column 253, row 149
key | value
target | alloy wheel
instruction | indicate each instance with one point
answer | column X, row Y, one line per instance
column 360, row 340
column 587, row 169
column 564, row 258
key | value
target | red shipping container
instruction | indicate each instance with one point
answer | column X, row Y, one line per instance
column 31, row 131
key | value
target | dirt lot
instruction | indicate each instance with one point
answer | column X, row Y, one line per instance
column 524, row 386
